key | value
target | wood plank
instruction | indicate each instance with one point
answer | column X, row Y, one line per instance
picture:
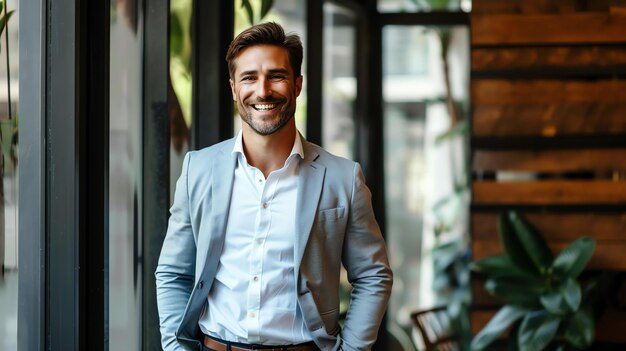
column 479, row 318
column 550, row 160
column 557, row 226
column 607, row 255
column 610, row 327
column 572, row 28
column 549, row 192
column 551, row 92
column 539, row 6
column 549, row 120
column 538, row 58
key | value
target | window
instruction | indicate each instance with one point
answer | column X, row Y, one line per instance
column 8, row 181
column 421, row 171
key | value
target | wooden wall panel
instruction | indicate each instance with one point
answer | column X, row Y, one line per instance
column 541, row 57
column 548, row 97
column 540, row 6
column 569, row 28
column 551, row 92
column 562, row 227
column 550, row 160
column 549, row 119
column 549, row 192
column 608, row 254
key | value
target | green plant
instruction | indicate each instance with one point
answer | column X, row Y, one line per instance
column 265, row 7
column 545, row 302
column 4, row 23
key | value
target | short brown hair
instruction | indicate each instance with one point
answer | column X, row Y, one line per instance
column 269, row 33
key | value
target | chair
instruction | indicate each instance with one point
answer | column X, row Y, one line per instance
column 435, row 327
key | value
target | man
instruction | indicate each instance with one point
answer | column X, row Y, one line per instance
column 261, row 224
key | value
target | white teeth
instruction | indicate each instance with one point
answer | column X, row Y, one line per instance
column 264, row 107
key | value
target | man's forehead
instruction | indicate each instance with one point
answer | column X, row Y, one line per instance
column 252, row 55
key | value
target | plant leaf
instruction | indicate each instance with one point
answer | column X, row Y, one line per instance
column 502, row 266
column 246, row 4
column 266, row 6
column 3, row 20
column 513, row 291
column 460, row 129
column 444, row 255
column 532, row 241
column 506, row 316
column 564, row 299
column 537, row 330
column 580, row 329
column 513, row 248
column 573, row 259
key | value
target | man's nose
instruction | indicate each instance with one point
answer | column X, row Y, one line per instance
column 263, row 88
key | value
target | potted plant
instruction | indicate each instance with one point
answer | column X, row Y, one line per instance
column 544, row 300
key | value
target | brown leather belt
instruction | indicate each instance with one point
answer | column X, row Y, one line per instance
column 219, row 345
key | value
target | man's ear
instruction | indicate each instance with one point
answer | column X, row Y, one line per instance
column 298, row 85
column 232, row 89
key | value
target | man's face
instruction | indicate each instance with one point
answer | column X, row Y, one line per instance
column 264, row 88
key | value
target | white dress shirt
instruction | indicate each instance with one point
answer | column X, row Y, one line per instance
column 253, row 298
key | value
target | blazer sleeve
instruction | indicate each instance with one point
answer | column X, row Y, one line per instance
column 365, row 259
column 175, row 270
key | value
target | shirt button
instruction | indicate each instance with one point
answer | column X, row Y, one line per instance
column 260, row 181
column 266, row 205
column 252, row 315
column 259, row 241
column 256, row 278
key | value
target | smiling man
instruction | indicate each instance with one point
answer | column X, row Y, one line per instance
column 262, row 223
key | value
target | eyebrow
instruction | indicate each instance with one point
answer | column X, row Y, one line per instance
column 271, row 71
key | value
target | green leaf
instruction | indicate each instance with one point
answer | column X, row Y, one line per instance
column 513, row 248
column 460, row 129
column 3, row 20
column 580, row 329
column 246, row 4
column 176, row 35
column 537, row 330
column 534, row 244
column 266, row 6
column 573, row 259
column 564, row 299
column 502, row 266
column 506, row 316
column 444, row 255
column 513, row 291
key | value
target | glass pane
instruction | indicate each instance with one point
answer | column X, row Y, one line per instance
column 180, row 87
column 8, row 187
column 291, row 15
column 339, row 80
column 424, row 5
column 123, row 285
column 421, row 171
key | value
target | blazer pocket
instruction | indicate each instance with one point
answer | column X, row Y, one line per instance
column 331, row 214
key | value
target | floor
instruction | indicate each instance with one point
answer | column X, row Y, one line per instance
column 8, row 311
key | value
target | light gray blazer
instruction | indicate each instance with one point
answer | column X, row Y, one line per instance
column 334, row 224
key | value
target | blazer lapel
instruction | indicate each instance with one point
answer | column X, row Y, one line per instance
column 223, row 171
column 310, row 182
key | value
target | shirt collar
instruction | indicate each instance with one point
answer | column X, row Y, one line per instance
column 297, row 148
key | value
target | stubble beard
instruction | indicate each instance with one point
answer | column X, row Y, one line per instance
column 270, row 127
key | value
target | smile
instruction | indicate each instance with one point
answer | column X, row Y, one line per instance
column 264, row 107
